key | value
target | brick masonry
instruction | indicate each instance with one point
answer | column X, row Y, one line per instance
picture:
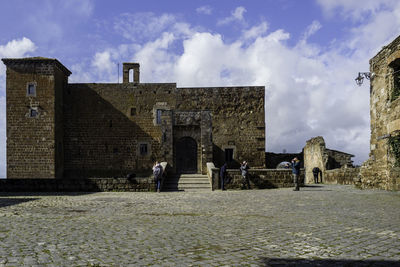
column 379, row 171
column 341, row 176
column 34, row 143
column 258, row 178
column 77, row 185
column 103, row 130
column 317, row 155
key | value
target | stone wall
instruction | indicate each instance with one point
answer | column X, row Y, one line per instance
column 338, row 159
column 317, row 155
column 34, row 142
column 105, row 125
column 238, row 120
column 314, row 156
column 259, row 178
column 104, row 130
column 102, row 136
column 380, row 170
column 77, row 185
column 341, row 176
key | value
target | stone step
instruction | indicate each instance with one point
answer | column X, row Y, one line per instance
column 187, row 182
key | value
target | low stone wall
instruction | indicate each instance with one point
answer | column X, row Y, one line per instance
column 259, row 178
column 341, row 176
column 77, row 185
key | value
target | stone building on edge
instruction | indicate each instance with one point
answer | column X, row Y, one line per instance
column 382, row 169
column 58, row 129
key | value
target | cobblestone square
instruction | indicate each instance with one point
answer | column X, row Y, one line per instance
column 327, row 225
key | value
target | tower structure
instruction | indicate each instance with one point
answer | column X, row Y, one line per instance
column 35, row 117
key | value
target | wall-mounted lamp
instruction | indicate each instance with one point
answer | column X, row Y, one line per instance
column 362, row 75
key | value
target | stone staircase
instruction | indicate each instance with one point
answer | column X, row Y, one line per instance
column 187, row 183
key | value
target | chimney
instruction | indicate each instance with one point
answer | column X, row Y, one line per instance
column 130, row 70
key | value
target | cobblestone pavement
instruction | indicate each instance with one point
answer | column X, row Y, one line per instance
column 329, row 225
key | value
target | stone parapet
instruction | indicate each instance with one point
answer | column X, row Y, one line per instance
column 341, row 176
column 77, row 185
column 259, row 178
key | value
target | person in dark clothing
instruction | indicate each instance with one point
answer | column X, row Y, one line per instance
column 315, row 172
column 157, row 172
column 244, row 167
column 296, row 173
column 222, row 176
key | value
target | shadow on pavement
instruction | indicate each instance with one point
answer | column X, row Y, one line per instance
column 44, row 193
column 275, row 262
column 4, row 202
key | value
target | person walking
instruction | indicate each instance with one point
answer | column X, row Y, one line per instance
column 157, row 172
column 296, row 173
column 222, row 176
column 315, row 172
column 244, row 169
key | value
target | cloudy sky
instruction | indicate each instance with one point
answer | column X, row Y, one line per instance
column 306, row 54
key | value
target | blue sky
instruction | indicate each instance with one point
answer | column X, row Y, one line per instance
column 306, row 53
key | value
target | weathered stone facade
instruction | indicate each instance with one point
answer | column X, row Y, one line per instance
column 34, row 90
column 382, row 169
column 317, row 155
column 106, row 130
column 341, row 175
column 258, row 178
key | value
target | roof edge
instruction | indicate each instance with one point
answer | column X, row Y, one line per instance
column 8, row 61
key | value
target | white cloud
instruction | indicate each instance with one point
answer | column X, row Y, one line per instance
column 256, row 31
column 102, row 62
column 236, row 15
column 355, row 9
column 143, row 26
column 206, row 10
column 312, row 29
column 13, row 49
column 16, row 48
column 79, row 7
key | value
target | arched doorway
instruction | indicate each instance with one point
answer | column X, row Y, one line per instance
column 186, row 155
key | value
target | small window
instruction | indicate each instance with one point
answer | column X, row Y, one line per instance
column 395, row 66
column 133, row 111
column 396, row 83
column 158, row 118
column 33, row 112
column 31, row 89
column 143, row 149
column 131, row 75
column 229, row 154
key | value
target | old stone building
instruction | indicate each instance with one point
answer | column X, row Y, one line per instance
column 317, row 155
column 57, row 129
column 382, row 169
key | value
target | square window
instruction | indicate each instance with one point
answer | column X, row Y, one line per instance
column 33, row 113
column 133, row 111
column 31, row 89
column 143, row 149
column 158, row 118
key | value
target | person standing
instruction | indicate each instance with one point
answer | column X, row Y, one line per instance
column 157, row 172
column 296, row 173
column 315, row 172
column 244, row 168
column 222, row 176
